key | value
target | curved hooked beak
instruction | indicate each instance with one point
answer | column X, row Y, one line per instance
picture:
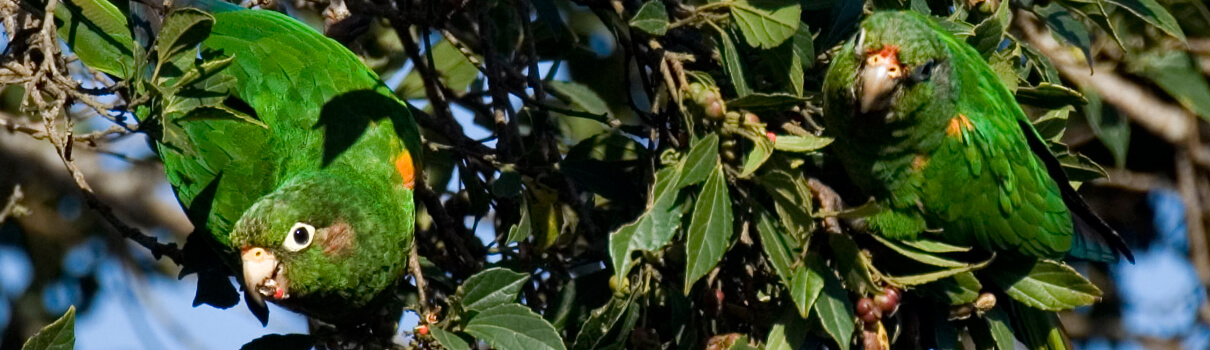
column 263, row 276
column 879, row 78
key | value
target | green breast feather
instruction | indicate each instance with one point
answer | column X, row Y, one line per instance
column 924, row 125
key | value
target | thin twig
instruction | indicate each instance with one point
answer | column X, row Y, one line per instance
column 1186, row 179
column 421, row 284
column 49, row 89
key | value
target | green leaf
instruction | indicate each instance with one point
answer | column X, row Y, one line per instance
column 786, row 335
column 762, row 148
column 1044, row 284
column 710, row 228
column 1155, row 14
column 606, row 164
column 200, row 73
column 990, row 32
column 608, row 147
column 1050, row 96
column 998, row 325
column 766, row 23
column 801, row 144
column 514, row 327
column 758, row 101
column 776, row 243
column 851, row 263
column 58, row 335
column 920, row 256
column 962, row 288
column 454, row 69
column 778, row 246
column 523, row 229
column 834, row 311
column 655, row 228
column 490, row 288
column 742, row 343
column 1079, row 167
column 733, row 64
column 1176, row 73
column 582, row 98
column 1035, row 328
column 651, row 18
column 932, row 246
column 959, row 29
column 701, row 160
column 1002, row 63
column 602, row 320
column 928, row 277
column 183, row 30
column 1062, row 23
column 791, row 198
column 784, row 65
column 448, row 339
column 807, row 284
column 1052, row 124
column 97, row 33
column 1041, row 64
column 921, row 6
column 219, row 112
column 1111, row 127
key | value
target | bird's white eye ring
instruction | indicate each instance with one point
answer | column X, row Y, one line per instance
column 858, row 48
column 299, row 237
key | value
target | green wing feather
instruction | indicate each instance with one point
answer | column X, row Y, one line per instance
column 308, row 90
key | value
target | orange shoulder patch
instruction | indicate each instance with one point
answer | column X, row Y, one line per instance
column 957, row 124
column 406, row 169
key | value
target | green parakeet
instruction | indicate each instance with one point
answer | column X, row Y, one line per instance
column 924, row 125
column 289, row 153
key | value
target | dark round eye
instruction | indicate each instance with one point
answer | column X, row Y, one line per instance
column 299, row 237
column 923, row 72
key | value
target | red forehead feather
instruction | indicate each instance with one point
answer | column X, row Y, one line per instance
column 888, row 52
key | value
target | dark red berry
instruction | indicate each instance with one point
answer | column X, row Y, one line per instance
column 868, row 311
column 888, row 301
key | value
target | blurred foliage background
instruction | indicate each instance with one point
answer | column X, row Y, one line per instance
column 653, row 168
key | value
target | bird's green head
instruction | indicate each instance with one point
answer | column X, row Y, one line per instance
column 895, row 63
column 318, row 241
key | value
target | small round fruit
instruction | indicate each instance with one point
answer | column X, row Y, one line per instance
column 868, row 311
column 888, row 301
column 986, row 301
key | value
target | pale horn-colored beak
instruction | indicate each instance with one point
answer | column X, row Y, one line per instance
column 880, row 77
column 262, row 276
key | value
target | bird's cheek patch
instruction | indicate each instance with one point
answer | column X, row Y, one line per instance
column 338, row 239
column 406, row 169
